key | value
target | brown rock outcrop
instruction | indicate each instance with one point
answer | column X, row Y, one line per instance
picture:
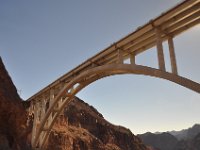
column 12, row 115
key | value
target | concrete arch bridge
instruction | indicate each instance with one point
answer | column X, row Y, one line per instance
column 48, row 103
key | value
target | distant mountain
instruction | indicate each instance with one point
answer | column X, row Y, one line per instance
column 196, row 142
column 187, row 139
column 193, row 144
column 186, row 134
column 163, row 141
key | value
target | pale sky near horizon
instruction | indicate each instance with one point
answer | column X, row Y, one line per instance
column 41, row 40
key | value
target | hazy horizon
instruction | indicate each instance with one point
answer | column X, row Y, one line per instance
column 42, row 40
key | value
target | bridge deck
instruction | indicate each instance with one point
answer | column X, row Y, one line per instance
column 171, row 23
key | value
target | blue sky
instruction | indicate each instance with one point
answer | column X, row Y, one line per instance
column 41, row 40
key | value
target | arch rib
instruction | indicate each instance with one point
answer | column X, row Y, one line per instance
column 101, row 72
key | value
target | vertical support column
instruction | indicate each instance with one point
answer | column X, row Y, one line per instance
column 160, row 53
column 172, row 55
column 51, row 98
column 43, row 108
column 31, row 108
column 39, row 109
column 132, row 59
column 42, row 139
column 120, row 56
column 35, row 124
column 30, row 112
column 58, row 88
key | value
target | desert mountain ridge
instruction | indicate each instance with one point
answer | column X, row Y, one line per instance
column 183, row 133
column 186, row 139
column 186, row 133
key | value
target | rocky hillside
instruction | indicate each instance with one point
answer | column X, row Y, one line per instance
column 79, row 127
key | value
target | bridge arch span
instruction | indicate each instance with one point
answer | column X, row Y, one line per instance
column 110, row 61
column 82, row 80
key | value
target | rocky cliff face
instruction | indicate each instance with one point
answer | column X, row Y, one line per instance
column 79, row 127
column 12, row 115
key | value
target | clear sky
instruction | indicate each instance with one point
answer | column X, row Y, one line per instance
column 40, row 40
